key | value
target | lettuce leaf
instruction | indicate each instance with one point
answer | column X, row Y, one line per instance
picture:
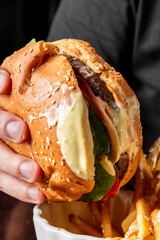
column 103, row 180
column 31, row 42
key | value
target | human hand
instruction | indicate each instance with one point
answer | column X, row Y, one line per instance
column 17, row 172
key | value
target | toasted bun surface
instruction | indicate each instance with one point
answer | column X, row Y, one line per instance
column 40, row 66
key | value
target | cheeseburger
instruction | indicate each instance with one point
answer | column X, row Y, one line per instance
column 84, row 120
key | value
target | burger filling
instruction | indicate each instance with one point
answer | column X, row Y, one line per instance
column 105, row 174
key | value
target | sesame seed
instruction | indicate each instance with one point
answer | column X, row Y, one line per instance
column 56, row 89
column 39, row 132
column 49, row 95
column 41, row 152
column 68, row 180
column 31, row 50
column 53, row 162
column 48, row 141
column 42, row 146
column 62, row 162
column 53, row 102
column 24, row 54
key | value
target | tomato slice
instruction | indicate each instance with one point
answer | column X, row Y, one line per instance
column 114, row 189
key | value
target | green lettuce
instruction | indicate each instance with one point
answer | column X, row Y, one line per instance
column 103, row 180
column 31, row 42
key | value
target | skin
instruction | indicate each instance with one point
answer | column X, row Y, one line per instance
column 17, row 172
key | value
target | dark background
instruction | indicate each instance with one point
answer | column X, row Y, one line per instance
column 22, row 20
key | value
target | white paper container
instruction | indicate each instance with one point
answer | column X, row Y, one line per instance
column 51, row 220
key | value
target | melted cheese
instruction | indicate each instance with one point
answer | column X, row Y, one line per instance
column 107, row 165
column 123, row 121
column 74, row 135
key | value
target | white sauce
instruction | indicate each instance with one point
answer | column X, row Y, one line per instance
column 75, row 137
column 51, row 116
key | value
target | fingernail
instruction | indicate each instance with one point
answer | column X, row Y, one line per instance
column 13, row 129
column 33, row 193
column 27, row 169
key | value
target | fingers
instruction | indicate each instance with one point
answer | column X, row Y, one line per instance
column 21, row 190
column 17, row 173
column 5, row 82
column 19, row 166
column 12, row 128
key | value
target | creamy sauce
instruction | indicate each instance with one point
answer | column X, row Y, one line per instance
column 107, row 165
column 74, row 135
column 123, row 121
column 51, row 116
column 124, row 125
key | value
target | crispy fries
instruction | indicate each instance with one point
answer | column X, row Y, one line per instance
column 106, row 220
column 132, row 231
column 96, row 211
column 128, row 220
column 84, row 226
column 143, row 219
column 154, row 152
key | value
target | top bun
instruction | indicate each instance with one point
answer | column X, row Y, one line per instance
column 36, row 71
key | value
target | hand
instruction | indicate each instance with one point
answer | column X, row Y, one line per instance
column 17, row 172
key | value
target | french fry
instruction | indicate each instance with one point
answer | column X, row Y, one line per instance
column 106, row 220
column 96, row 211
column 155, row 218
column 128, row 221
column 84, row 226
column 156, row 170
column 143, row 219
column 154, row 152
column 144, row 177
column 132, row 231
